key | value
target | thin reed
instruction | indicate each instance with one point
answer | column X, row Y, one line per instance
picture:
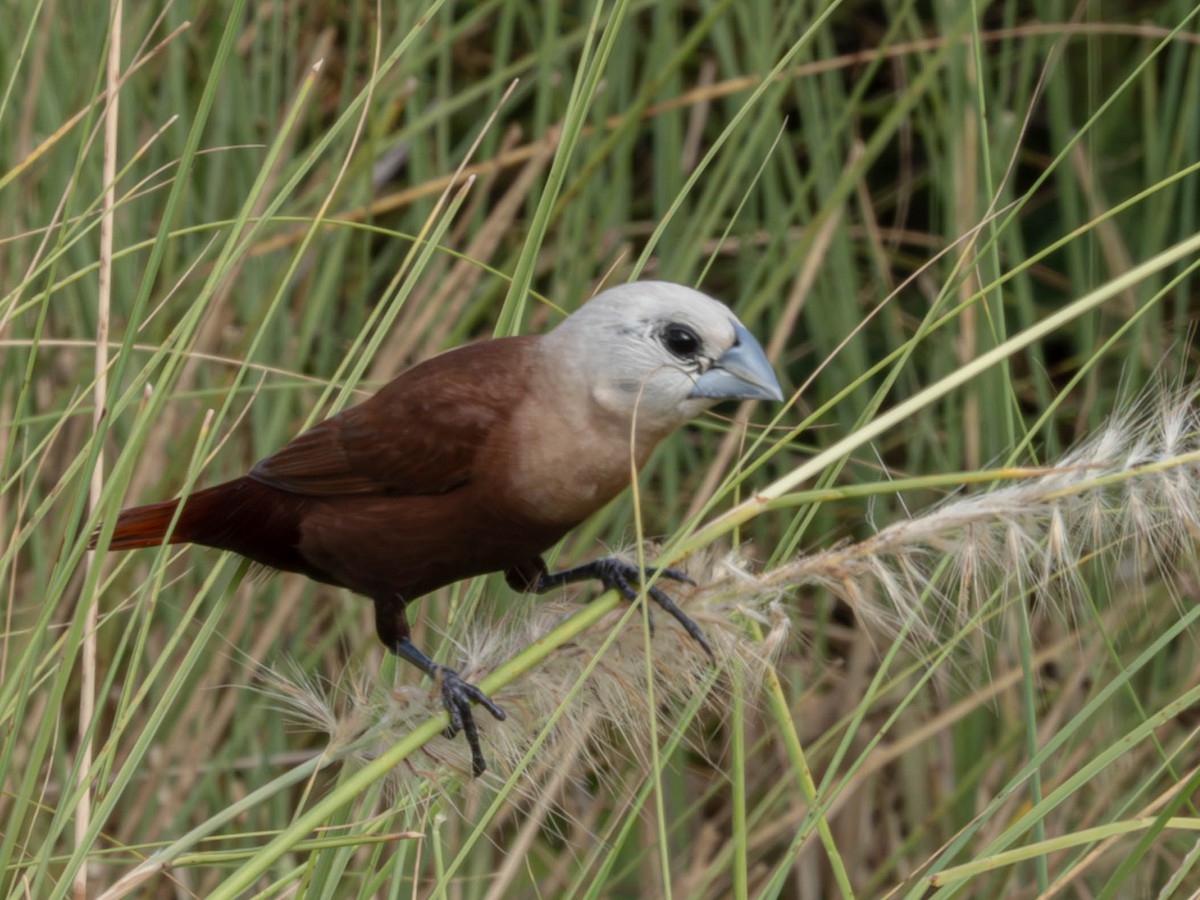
column 951, row 583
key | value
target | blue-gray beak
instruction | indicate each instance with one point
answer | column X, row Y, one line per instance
column 741, row 373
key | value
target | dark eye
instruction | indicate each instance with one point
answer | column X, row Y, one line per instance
column 680, row 340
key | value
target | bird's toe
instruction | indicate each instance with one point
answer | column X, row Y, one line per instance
column 458, row 697
column 674, row 574
column 673, row 610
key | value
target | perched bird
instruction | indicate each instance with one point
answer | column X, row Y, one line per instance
column 479, row 460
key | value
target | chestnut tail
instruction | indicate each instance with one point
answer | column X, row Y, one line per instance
column 242, row 515
column 204, row 520
column 143, row 526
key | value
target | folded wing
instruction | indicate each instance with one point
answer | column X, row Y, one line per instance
column 419, row 435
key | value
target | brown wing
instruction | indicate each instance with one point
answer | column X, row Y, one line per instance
column 418, row 435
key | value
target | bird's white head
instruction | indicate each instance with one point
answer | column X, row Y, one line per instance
column 663, row 351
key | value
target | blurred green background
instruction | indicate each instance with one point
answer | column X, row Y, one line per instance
column 884, row 192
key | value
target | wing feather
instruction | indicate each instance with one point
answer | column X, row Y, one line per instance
column 419, row 435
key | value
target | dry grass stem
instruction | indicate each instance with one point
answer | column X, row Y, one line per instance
column 1129, row 497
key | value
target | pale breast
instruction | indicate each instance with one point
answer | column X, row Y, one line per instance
column 563, row 457
column 560, row 472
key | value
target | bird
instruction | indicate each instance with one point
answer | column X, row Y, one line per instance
column 478, row 460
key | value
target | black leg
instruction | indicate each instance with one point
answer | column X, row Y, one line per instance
column 617, row 574
column 457, row 696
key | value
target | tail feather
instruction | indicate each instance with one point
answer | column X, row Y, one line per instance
column 243, row 515
column 142, row 526
column 146, row 526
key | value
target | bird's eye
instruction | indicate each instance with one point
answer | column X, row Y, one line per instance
column 680, row 340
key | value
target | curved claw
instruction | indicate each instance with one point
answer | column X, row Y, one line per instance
column 673, row 574
column 622, row 584
column 682, row 618
column 617, row 574
column 457, row 697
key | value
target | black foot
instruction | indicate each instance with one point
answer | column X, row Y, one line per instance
column 457, row 697
column 617, row 574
